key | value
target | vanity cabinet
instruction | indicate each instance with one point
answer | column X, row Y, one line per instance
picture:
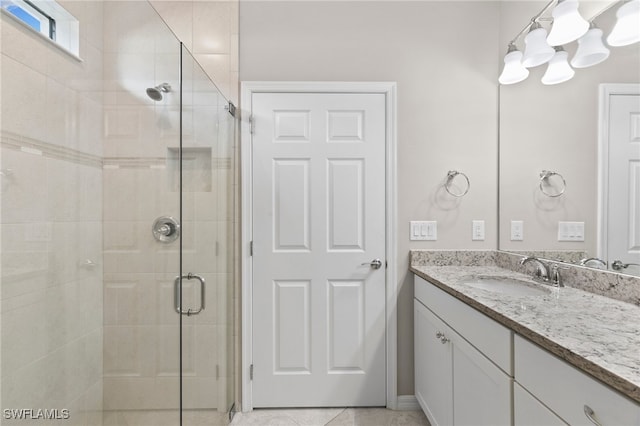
column 456, row 383
column 528, row 411
column 471, row 370
column 433, row 367
column 570, row 393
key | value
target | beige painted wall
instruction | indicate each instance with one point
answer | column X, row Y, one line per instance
column 554, row 128
column 443, row 56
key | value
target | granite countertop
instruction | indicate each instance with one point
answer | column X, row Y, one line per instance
column 594, row 333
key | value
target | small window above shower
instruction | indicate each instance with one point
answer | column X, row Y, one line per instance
column 48, row 19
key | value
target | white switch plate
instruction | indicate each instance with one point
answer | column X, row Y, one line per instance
column 477, row 230
column 517, row 230
column 423, row 230
column 570, row 231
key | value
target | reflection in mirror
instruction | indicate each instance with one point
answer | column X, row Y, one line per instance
column 561, row 129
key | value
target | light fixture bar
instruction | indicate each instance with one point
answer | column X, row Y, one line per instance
column 606, row 8
column 533, row 20
column 544, row 10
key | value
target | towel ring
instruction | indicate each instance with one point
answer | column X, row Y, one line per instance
column 450, row 176
column 544, row 176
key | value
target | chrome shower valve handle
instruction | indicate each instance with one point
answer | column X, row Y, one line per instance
column 166, row 229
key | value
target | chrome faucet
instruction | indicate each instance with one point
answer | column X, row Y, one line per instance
column 542, row 270
column 583, row 262
column 556, row 278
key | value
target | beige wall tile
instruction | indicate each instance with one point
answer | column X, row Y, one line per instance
column 211, row 27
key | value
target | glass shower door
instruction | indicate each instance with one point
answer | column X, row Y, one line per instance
column 141, row 214
column 166, row 263
column 116, row 206
column 206, row 260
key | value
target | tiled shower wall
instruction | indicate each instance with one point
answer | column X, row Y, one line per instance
column 81, row 142
column 141, row 182
column 51, row 219
column 210, row 30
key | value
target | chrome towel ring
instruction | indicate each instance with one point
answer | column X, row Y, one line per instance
column 544, row 181
column 450, row 177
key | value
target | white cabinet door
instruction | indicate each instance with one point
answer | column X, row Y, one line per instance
column 528, row 411
column 481, row 391
column 318, row 165
column 433, row 367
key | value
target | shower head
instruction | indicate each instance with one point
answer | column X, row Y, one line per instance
column 155, row 93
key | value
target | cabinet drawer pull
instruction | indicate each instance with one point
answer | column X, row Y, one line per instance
column 591, row 415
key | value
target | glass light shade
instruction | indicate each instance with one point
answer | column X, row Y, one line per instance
column 591, row 50
column 568, row 24
column 558, row 70
column 513, row 71
column 537, row 51
column 627, row 28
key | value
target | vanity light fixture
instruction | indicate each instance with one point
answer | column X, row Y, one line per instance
column 626, row 30
column 513, row 71
column 568, row 25
column 537, row 51
column 591, row 49
column 558, row 70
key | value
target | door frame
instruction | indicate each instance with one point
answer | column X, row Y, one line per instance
column 606, row 90
column 248, row 88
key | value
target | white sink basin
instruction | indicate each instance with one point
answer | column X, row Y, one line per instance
column 505, row 285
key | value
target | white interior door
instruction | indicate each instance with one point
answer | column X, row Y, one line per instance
column 623, row 203
column 318, row 164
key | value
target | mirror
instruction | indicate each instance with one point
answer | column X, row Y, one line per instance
column 549, row 151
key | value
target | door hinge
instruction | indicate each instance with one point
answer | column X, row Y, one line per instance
column 251, row 372
column 251, row 124
column 250, row 248
column 217, row 372
column 231, row 108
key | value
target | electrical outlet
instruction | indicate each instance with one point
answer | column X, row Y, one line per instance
column 477, row 230
column 517, row 230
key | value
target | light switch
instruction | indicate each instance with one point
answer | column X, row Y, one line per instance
column 477, row 230
column 423, row 230
column 570, row 231
column 517, row 230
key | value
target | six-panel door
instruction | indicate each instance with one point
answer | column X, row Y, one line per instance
column 318, row 222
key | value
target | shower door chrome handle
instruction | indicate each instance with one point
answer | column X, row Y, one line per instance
column 176, row 294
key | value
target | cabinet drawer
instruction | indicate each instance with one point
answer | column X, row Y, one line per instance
column 566, row 390
column 489, row 337
column 528, row 411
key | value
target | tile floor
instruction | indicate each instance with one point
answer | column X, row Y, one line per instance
column 164, row 418
column 270, row 417
column 330, row 417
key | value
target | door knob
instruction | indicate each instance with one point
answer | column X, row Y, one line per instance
column 618, row 265
column 375, row 263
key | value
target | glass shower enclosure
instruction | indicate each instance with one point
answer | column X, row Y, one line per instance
column 116, row 227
